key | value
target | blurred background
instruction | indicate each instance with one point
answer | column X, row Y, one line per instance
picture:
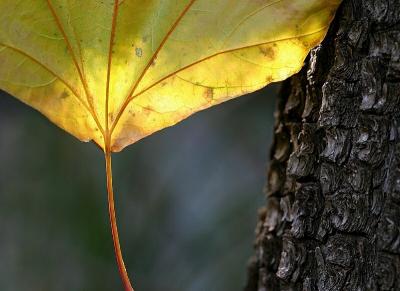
column 186, row 200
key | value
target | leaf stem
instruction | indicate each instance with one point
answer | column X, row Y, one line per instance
column 113, row 222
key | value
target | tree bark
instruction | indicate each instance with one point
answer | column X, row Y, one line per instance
column 332, row 215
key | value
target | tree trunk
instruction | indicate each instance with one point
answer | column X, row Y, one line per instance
column 332, row 215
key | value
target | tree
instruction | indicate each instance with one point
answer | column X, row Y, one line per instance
column 332, row 214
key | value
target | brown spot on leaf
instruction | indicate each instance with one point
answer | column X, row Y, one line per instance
column 64, row 95
column 209, row 94
column 269, row 79
column 268, row 52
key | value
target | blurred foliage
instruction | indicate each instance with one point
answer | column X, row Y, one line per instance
column 186, row 199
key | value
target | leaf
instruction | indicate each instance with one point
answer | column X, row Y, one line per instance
column 117, row 71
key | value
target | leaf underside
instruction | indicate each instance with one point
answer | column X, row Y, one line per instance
column 116, row 71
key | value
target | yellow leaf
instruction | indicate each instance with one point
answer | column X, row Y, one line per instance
column 115, row 72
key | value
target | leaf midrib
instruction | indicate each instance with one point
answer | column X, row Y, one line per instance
column 107, row 136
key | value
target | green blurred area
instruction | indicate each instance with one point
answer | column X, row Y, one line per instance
column 186, row 199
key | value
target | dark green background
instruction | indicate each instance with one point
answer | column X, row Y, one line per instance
column 186, row 199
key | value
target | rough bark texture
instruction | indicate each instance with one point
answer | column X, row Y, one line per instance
column 332, row 219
